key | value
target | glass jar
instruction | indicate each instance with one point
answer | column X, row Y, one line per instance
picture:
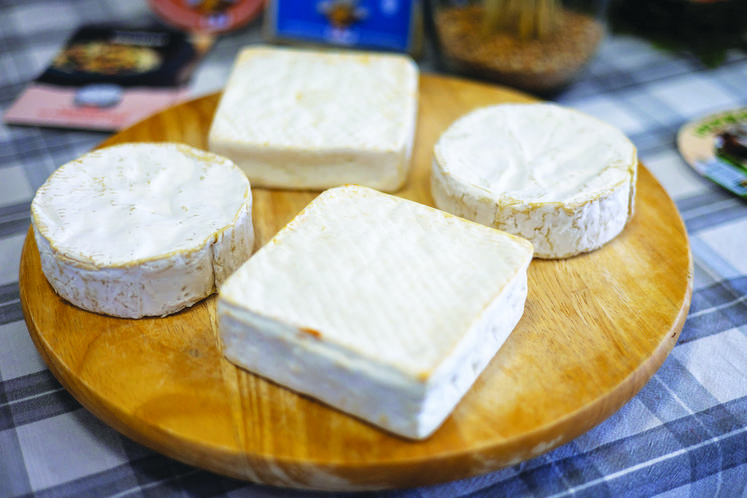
column 538, row 46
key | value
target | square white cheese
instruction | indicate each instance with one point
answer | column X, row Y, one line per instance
column 378, row 306
column 304, row 119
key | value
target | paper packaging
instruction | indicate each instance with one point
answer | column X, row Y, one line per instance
column 716, row 147
column 107, row 78
column 389, row 25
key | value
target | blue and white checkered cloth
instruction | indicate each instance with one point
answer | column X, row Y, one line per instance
column 684, row 434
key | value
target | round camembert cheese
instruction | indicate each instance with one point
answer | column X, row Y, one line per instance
column 557, row 177
column 142, row 229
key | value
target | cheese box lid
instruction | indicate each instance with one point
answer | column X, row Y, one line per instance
column 716, row 147
column 207, row 16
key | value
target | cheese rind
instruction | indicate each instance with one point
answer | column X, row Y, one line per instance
column 381, row 307
column 561, row 179
column 305, row 119
column 142, row 229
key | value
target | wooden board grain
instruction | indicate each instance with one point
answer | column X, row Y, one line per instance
column 595, row 329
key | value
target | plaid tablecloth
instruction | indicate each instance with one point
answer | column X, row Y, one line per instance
column 684, row 434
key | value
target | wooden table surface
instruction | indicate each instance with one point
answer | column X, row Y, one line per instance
column 595, row 329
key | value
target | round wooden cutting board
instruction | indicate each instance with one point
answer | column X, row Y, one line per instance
column 595, row 329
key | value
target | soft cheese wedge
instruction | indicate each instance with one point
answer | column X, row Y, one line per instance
column 561, row 179
column 305, row 119
column 378, row 306
column 142, row 229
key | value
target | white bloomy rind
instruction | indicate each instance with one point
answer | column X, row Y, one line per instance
column 142, row 229
column 381, row 307
column 555, row 176
column 305, row 119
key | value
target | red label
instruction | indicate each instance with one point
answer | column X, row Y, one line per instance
column 207, row 16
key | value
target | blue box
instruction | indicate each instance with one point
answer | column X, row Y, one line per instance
column 390, row 25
